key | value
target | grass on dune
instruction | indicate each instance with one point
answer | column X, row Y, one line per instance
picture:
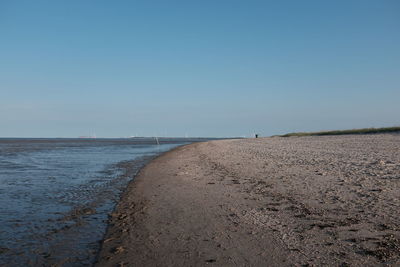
column 342, row 132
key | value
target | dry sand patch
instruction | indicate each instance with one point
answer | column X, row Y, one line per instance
column 331, row 200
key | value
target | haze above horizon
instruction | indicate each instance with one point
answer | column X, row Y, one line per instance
column 197, row 68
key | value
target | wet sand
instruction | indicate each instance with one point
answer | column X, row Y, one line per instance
column 330, row 200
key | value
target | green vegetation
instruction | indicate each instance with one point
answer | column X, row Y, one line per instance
column 341, row 132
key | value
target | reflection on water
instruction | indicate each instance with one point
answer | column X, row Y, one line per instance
column 56, row 194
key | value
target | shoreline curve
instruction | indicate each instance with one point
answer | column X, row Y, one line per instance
column 251, row 202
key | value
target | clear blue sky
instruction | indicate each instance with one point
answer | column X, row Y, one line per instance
column 202, row 68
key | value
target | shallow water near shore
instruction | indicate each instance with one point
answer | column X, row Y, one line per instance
column 56, row 195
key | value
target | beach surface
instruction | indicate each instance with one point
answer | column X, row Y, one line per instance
column 302, row 201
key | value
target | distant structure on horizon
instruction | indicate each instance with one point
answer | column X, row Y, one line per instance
column 93, row 136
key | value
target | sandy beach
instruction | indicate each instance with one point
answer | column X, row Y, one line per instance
column 302, row 201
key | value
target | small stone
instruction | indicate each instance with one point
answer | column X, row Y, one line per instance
column 118, row 250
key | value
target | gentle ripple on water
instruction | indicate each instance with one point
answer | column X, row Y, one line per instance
column 56, row 195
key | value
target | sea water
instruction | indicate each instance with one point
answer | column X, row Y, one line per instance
column 56, row 195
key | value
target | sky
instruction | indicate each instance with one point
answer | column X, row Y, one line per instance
column 214, row 68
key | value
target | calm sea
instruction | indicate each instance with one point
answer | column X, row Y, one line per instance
column 56, row 194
